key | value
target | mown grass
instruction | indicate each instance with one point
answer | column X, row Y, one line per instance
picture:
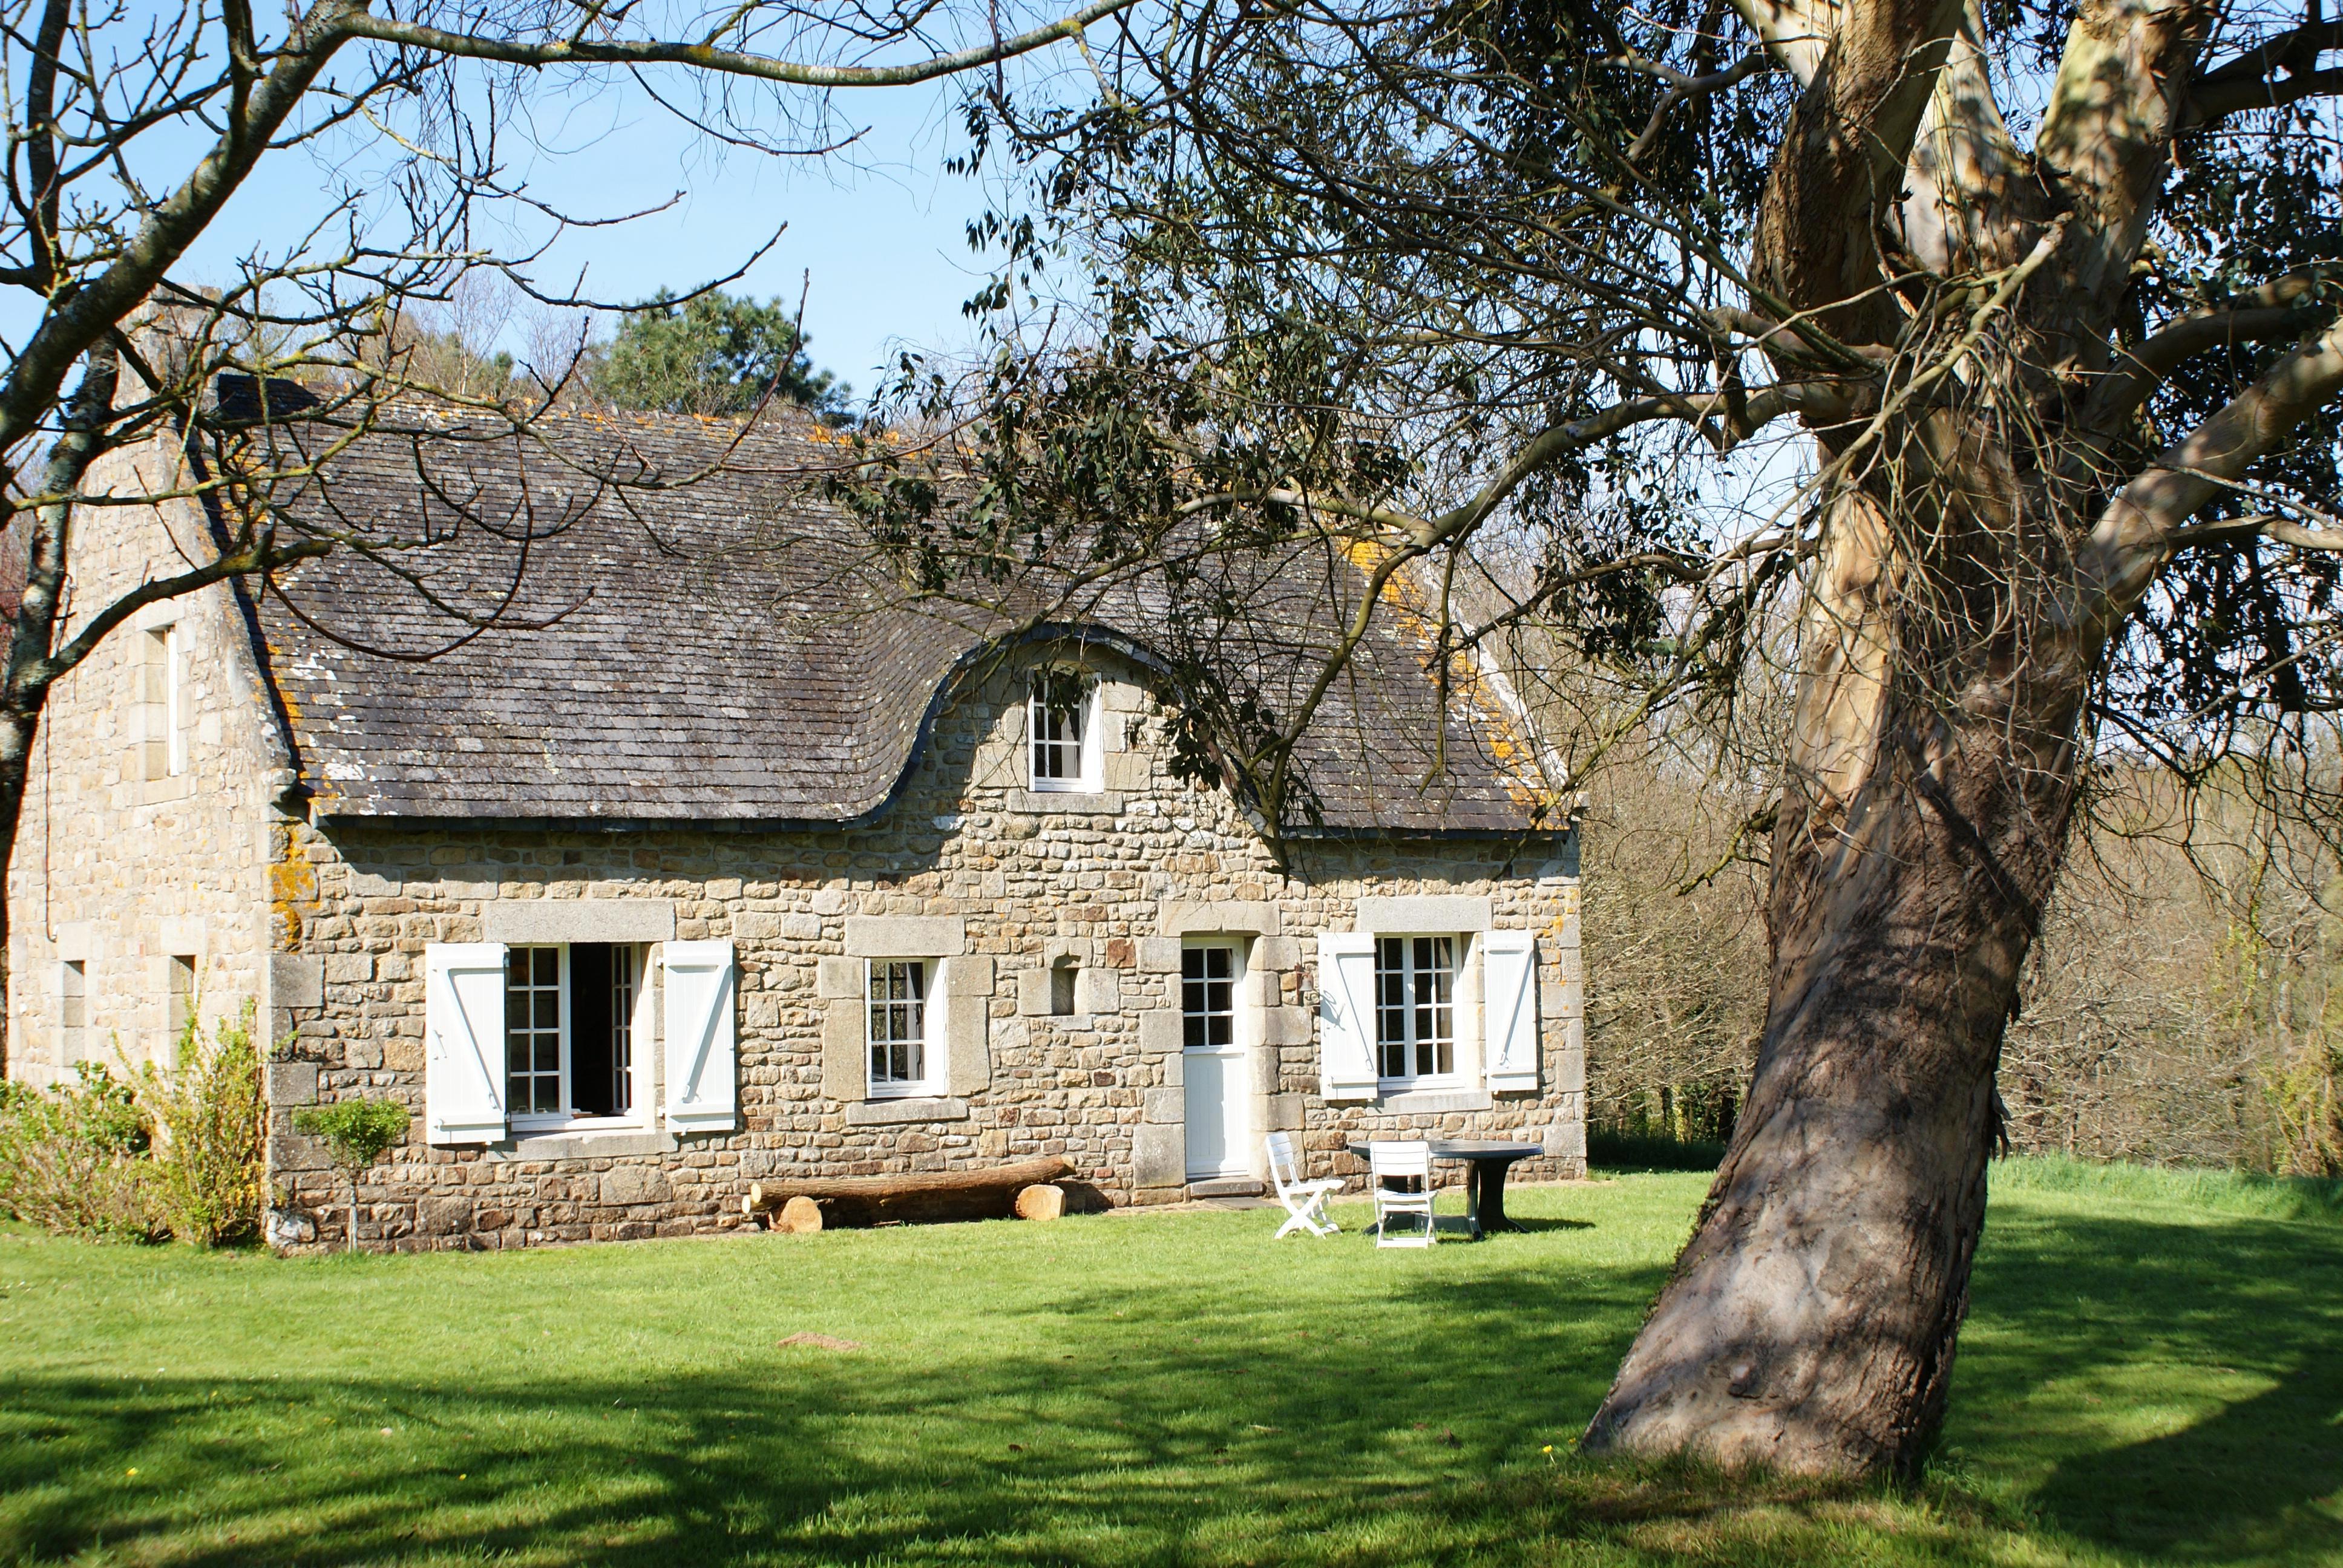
column 2150, row 1375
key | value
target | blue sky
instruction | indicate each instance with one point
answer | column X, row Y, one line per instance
column 878, row 230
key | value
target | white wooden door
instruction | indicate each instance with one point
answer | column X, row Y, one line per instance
column 1214, row 1063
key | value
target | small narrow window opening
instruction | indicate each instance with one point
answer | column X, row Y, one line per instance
column 72, row 1011
column 182, row 1003
column 175, row 700
column 897, row 993
column 1065, row 979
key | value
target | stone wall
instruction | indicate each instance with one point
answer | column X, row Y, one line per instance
column 141, row 851
column 1012, row 882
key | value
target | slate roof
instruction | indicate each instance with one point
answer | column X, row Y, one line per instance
column 733, row 650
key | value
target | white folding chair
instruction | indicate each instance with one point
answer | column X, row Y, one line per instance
column 1402, row 1163
column 1305, row 1202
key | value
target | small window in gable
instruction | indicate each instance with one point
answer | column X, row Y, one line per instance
column 896, row 991
column 1065, row 984
column 1062, row 724
column 1416, row 1009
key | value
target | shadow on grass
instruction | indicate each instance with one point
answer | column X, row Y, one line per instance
column 2161, row 1319
column 1208, row 1421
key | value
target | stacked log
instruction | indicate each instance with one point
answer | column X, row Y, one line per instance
column 924, row 1199
column 1041, row 1201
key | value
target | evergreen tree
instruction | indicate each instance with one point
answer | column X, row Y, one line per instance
column 712, row 354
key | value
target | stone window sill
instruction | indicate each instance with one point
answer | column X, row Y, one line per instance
column 1434, row 1102
column 896, row 1112
column 613, row 1143
column 1099, row 803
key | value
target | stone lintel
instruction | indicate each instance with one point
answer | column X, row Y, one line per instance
column 531, row 921
column 1224, row 917
column 906, row 936
column 1430, row 914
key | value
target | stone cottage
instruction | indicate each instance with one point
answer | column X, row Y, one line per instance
column 647, row 845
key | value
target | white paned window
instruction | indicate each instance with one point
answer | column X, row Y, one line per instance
column 1415, row 1009
column 1062, row 729
column 533, row 1031
column 897, row 992
column 1208, row 996
column 622, row 1031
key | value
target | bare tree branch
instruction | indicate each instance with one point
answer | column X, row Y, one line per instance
column 580, row 51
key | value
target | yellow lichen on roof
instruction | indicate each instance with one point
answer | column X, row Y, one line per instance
column 1515, row 752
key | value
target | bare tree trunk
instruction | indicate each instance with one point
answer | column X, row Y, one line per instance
column 1810, row 1324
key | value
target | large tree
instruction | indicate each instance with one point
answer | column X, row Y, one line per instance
column 2027, row 313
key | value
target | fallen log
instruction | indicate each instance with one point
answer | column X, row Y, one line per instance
column 987, row 1193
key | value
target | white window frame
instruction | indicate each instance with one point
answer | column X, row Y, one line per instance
column 1412, row 1042
column 930, row 1039
column 1235, row 947
column 566, row 1116
column 1088, row 779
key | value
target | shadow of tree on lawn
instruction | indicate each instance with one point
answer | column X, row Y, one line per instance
column 1206, row 1420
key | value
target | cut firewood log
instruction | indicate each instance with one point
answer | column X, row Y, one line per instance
column 1041, row 1201
column 987, row 1193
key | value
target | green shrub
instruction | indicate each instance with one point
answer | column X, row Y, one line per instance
column 212, row 1122
column 357, row 1134
column 75, row 1159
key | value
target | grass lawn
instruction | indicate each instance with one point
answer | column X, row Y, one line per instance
column 2153, row 1373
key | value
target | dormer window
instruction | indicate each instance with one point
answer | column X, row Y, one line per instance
column 1062, row 721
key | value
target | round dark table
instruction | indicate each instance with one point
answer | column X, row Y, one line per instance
column 1486, row 1160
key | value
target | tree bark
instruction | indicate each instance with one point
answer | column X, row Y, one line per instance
column 1810, row 1325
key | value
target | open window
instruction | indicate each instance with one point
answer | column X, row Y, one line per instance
column 572, row 1016
column 1062, row 723
column 1415, row 1012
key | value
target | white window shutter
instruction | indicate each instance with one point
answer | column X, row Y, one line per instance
column 1346, row 1015
column 464, row 1042
column 702, row 1067
column 1509, row 1011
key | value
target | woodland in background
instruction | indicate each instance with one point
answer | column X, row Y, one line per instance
column 2181, row 1009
